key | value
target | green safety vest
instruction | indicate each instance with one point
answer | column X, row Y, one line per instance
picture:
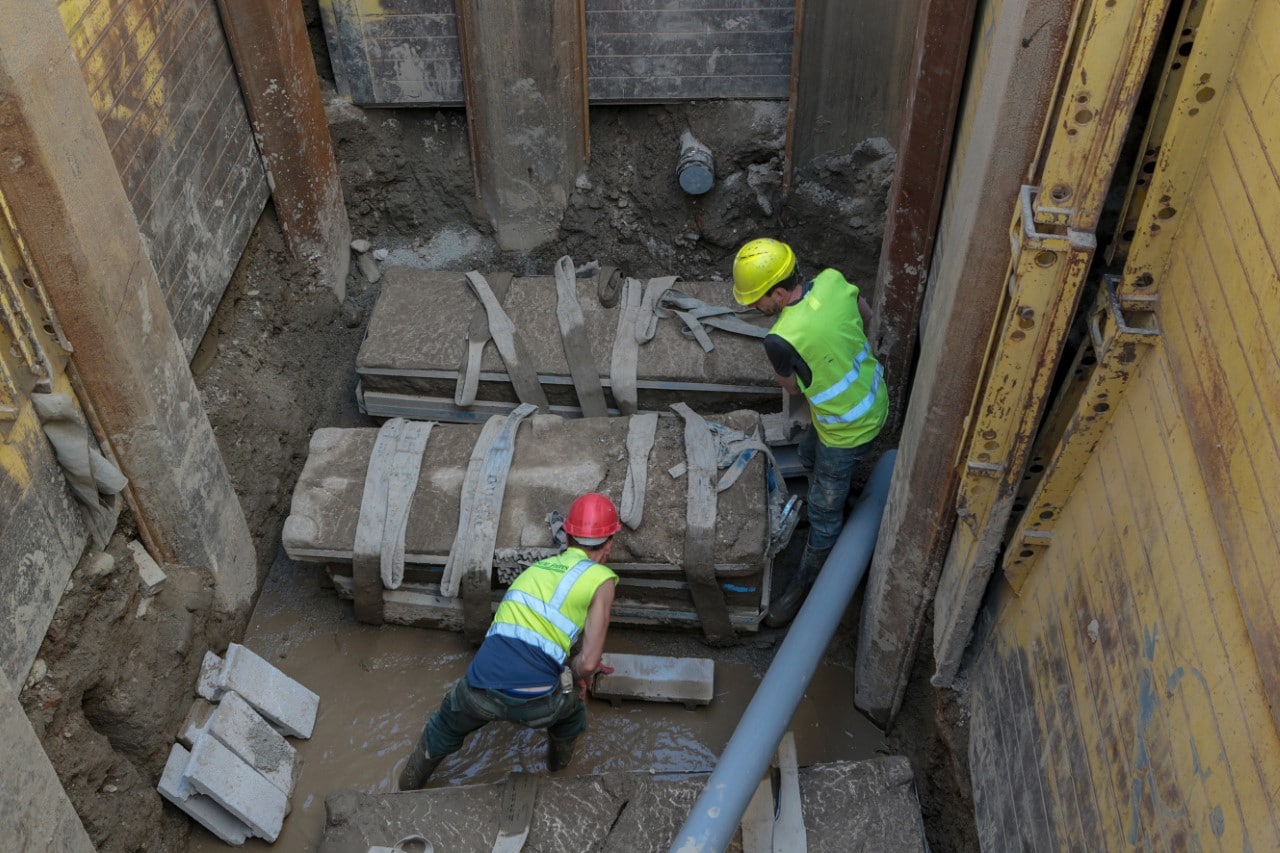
column 547, row 604
column 847, row 398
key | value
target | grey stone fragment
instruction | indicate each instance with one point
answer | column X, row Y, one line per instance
column 380, row 255
column 200, row 808
column 654, row 678
column 100, row 564
column 360, row 246
column 149, row 572
column 859, row 805
column 369, row 268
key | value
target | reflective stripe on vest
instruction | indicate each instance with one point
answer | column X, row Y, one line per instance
column 864, row 405
column 548, row 610
column 847, row 380
column 528, row 635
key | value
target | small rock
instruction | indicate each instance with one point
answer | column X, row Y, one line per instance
column 380, row 255
column 352, row 314
column 1093, row 631
column 582, row 182
column 151, row 575
column 100, row 565
column 622, row 202
column 110, row 789
column 39, row 670
column 360, row 246
column 252, row 293
column 369, row 269
column 143, row 607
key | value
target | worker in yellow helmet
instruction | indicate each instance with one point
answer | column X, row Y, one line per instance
column 524, row 671
column 818, row 348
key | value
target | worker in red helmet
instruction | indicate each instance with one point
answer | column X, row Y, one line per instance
column 524, row 671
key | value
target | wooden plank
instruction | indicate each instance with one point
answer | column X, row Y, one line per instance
column 527, row 151
column 272, row 55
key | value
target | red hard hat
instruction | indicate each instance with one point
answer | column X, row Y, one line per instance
column 592, row 516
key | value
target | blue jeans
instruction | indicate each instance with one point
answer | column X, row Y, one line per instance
column 831, row 473
column 466, row 709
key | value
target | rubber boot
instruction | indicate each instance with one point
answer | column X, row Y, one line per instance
column 785, row 607
column 559, row 753
column 419, row 769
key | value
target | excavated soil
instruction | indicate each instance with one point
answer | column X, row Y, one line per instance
column 278, row 362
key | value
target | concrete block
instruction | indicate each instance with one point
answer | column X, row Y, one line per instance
column 149, row 572
column 196, row 722
column 216, row 771
column 690, row 681
column 244, row 731
column 288, row 705
column 203, row 810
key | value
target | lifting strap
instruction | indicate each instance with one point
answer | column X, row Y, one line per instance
column 626, row 349
column 377, row 557
column 469, row 569
column 577, row 349
column 477, row 336
column 700, row 530
column 519, row 364
column 640, row 435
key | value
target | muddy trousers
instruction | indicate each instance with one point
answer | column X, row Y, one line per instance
column 467, row 709
column 831, row 473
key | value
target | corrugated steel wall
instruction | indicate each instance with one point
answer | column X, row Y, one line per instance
column 1127, row 697
column 160, row 76
column 388, row 52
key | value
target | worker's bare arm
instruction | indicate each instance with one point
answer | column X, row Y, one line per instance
column 864, row 308
column 587, row 662
column 788, row 383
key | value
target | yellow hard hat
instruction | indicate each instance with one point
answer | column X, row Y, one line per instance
column 758, row 266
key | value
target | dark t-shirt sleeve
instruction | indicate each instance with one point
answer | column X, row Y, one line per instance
column 785, row 360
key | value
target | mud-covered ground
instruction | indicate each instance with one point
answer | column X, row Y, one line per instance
column 278, row 362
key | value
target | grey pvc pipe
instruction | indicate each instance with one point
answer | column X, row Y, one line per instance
column 715, row 816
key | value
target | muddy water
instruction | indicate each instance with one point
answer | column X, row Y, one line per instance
column 378, row 685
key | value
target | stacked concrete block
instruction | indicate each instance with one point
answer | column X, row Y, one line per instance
column 289, row 706
column 236, row 725
column 239, row 772
column 175, row 788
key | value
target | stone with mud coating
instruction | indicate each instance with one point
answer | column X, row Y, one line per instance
column 149, row 572
column 244, row 731
column 690, row 681
column 288, row 705
column 226, row 778
column 202, row 809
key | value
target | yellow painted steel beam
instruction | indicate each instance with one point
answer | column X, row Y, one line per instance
column 1114, row 44
column 1175, row 63
column 1118, row 340
column 1185, row 115
column 1053, row 244
column 1192, row 121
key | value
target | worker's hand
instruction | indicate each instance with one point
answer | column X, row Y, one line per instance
column 584, row 682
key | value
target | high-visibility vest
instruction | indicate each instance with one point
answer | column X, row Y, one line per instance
column 847, row 398
column 547, row 604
